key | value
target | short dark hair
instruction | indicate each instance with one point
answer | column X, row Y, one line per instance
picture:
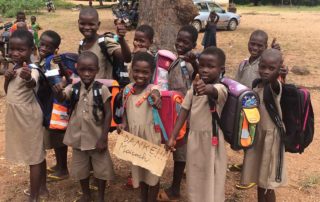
column 212, row 50
column 24, row 35
column 147, row 30
column 91, row 55
column 261, row 33
column 33, row 17
column 144, row 56
column 192, row 31
column 20, row 13
column 89, row 11
column 54, row 36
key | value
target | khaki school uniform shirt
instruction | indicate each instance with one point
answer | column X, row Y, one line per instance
column 83, row 131
column 105, row 67
column 247, row 72
column 177, row 81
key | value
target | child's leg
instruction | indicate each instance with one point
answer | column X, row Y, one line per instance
column 101, row 189
column 153, row 193
column 61, row 155
column 178, row 172
column 43, row 187
column 266, row 195
column 35, row 181
column 86, row 196
column 144, row 189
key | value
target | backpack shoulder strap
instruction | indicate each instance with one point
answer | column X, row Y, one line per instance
column 75, row 95
column 104, row 49
column 97, row 99
column 215, row 121
column 47, row 65
column 185, row 73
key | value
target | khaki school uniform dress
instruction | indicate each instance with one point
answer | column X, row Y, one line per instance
column 24, row 131
column 261, row 161
column 105, row 67
column 82, row 135
column 206, row 164
column 178, row 82
column 247, row 72
column 140, row 123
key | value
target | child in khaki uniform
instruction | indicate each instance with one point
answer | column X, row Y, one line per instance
column 88, row 128
column 136, row 104
column 206, row 159
column 262, row 160
column 24, row 130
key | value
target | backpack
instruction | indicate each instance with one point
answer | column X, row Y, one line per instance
column 239, row 116
column 114, row 89
column 163, row 59
column 119, row 71
column 297, row 123
column 164, row 118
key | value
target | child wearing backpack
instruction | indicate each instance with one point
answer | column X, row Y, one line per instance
column 137, row 103
column 180, row 79
column 206, row 153
column 88, row 128
column 49, row 44
column 23, row 121
column 108, row 50
column 264, row 163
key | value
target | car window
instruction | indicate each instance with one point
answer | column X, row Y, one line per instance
column 215, row 7
column 202, row 7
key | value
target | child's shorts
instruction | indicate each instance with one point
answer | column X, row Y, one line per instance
column 101, row 164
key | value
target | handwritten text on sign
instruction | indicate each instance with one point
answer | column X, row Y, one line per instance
column 141, row 153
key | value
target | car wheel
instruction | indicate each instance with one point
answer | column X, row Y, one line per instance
column 196, row 25
column 232, row 25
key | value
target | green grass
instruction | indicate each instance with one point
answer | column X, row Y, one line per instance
column 310, row 181
column 63, row 4
column 251, row 8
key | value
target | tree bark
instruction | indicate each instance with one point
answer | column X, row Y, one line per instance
column 166, row 17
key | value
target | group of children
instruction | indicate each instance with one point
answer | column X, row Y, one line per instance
column 194, row 75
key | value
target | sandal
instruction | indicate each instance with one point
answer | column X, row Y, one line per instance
column 53, row 177
column 163, row 196
column 245, row 186
column 51, row 169
column 235, row 167
column 42, row 197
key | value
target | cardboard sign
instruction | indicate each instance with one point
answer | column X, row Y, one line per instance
column 141, row 153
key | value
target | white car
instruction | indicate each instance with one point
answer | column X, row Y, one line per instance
column 227, row 20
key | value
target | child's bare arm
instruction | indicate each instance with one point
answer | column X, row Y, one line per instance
column 275, row 86
column 103, row 140
column 9, row 74
column 124, row 124
column 191, row 57
column 204, row 89
column 156, row 98
column 25, row 74
column 58, row 92
column 183, row 115
column 123, row 53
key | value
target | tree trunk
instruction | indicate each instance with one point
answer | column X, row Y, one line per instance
column 166, row 17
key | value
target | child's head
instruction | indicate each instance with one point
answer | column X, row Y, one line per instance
column 142, row 68
column 143, row 37
column 211, row 64
column 20, row 17
column 270, row 63
column 49, row 43
column 258, row 42
column 87, row 67
column 21, row 46
column 33, row 19
column 88, row 22
column 186, row 39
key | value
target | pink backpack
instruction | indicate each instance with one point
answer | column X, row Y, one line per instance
column 164, row 58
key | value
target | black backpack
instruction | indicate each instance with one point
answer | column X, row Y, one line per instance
column 120, row 71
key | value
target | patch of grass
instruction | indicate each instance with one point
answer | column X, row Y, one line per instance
column 251, row 8
column 63, row 4
column 310, row 181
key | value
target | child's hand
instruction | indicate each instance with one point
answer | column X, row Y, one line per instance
column 137, row 49
column 10, row 74
column 101, row 144
column 58, row 88
column 25, row 73
column 57, row 59
column 170, row 145
column 200, row 87
column 121, row 29
column 275, row 45
column 121, row 127
column 156, row 98
column 190, row 57
column 284, row 70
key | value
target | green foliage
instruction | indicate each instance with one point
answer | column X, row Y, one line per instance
column 10, row 8
column 63, row 4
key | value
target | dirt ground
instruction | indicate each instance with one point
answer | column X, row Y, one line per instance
column 299, row 36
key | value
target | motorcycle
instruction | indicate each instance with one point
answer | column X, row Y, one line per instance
column 4, row 47
column 129, row 15
column 50, row 6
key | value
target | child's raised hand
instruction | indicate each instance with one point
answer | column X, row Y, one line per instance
column 101, row 144
column 284, row 70
column 121, row 29
column 275, row 45
column 156, row 98
column 10, row 74
column 25, row 72
column 56, row 59
column 58, row 88
column 170, row 145
column 190, row 57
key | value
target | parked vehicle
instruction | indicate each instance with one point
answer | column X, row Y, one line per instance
column 127, row 13
column 227, row 20
column 50, row 6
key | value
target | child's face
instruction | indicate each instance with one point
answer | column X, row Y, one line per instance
column 269, row 68
column 88, row 25
column 209, row 68
column 19, row 51
column 184, row 43
column 87, row 70
column 141, row 73
column 256, row 45
column 46, row 46
column 141, row 40
column 33, row 19
column 21, row 18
